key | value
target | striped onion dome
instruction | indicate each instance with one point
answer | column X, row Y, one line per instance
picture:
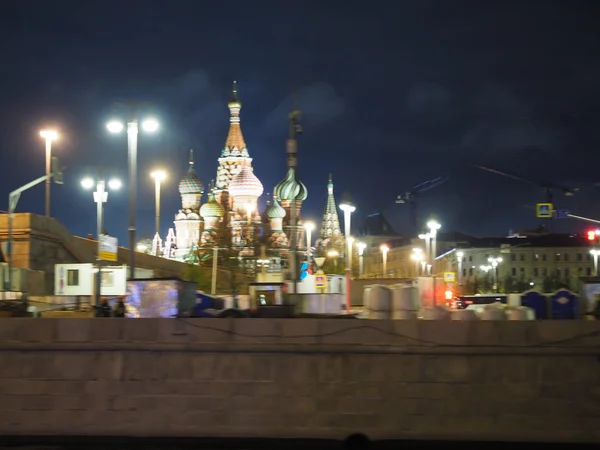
column 212, row 208
column 275, row 210
column 190, row 183
column 245, row 184
column 290, row 188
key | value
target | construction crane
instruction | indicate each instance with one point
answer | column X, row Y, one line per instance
column 548, row 188
column 411, row 196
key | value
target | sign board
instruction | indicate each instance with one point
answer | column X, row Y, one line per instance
column 108, row 248
column 320, row 281
column 561, row 214
column 449, row 277
column 544, row 210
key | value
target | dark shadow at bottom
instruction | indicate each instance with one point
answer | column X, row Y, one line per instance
column 353, row 442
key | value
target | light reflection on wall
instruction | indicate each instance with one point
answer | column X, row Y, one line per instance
column 152, row 298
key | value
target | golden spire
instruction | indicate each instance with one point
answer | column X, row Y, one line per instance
column 235, row 138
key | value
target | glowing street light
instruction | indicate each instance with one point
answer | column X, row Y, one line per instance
column 100, row 197
column 459, row 258
column 384, row 251
column 361, row 252
column 433, row 229
column 348, row 209
column 159, row 176
column 149, row 125
column 417, row 256
column 49, row 136
column 309, row 227
column 494, row 262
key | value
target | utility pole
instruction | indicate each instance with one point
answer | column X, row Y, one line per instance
column 292, row 161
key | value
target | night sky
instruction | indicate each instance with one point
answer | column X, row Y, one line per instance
column 393, row 94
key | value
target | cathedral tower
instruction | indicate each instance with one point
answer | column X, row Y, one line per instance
column 234, row 155
column 330, row 236
column 187, row 220
column 291, row 191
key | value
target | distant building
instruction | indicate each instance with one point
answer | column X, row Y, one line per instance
column 538, row 261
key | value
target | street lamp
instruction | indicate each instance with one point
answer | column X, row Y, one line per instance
column 459, row 257
column 309, row 227
column 49, row 136
column 361, row 251
column 433, row 228
column 427, row 238
column 333, row 254
column 348, row 209
column 100, row 197
column 384, row 251
column 494, row 262
column 159, row 176
column 115, row 127
column 417, row 257
column 595, row 253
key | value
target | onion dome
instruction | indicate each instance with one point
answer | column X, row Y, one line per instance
column 180, row 216
column 212, row 208
column 275, row 210
column 190, row 183
column 245, row 184
column 290, row 188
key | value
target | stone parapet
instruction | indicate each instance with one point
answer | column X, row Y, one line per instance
column 312, row 378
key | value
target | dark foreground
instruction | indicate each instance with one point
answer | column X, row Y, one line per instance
column 356, row 442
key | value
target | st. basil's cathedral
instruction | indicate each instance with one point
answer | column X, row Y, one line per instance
column 230, row 218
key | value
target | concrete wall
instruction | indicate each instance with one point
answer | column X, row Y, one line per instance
column 301, row 378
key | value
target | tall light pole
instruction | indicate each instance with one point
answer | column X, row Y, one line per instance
column 100, row 197
column 361, row 252
column 427, row 238
column 417, row 257
column 49, row 136
column 433, row 229
column 115, row 126
column 348, row 209
column 309, row 227
column 494, row 262
column 459, row 258
column 594, row 253
column 159, row 176
column 384, row 251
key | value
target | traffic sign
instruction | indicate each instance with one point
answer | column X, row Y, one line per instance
column 449, row 277
column 561, row 214
column 108, row 248
column 544, row 210
column 320, row 281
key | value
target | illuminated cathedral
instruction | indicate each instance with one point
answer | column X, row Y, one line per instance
column 230, row 217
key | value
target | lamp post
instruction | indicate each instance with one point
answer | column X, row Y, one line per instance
column 348, row 209
column 333, row 254
column 159, row 176
column 417, row 257
column 384, row 251
column 433, row 229
column 49, row 136
column 115, row 126
column 100, row 197
column 459, row 260
column 594, row 253
column 427, row 238
column 494, row 262
column 309, row 227
column 361, row 251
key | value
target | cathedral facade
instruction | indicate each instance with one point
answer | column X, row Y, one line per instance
column 230, row 217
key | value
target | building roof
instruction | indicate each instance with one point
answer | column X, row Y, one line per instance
column 547, row 240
